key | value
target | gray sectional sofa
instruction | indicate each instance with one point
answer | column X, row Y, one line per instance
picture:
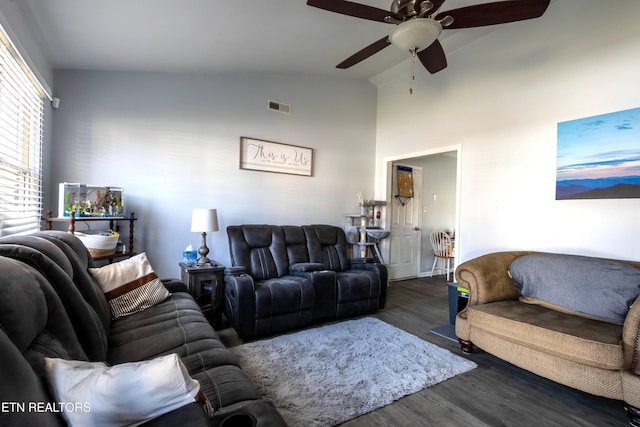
column 52, row 307
column 288, row 277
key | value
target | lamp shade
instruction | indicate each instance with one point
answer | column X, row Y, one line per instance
column 204, row 220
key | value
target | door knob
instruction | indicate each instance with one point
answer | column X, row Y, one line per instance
column 417, row 228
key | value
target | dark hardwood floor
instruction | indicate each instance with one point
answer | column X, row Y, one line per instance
column 496, row 393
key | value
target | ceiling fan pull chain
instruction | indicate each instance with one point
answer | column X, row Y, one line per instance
column 413, row 76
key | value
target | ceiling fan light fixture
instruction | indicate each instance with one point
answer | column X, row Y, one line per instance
column 417, row 33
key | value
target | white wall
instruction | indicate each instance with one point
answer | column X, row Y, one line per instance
column 172, row 142
column 501, row 98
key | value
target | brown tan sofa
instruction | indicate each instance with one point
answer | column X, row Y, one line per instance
column 580, row 351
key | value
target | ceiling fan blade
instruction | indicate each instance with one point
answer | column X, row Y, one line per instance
column 363, row 54
column 354, row 9
column 433, row 58
column 494, row 13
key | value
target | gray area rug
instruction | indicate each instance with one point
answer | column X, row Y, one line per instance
column 331, row 374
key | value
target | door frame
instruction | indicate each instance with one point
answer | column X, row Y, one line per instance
column 387, row 171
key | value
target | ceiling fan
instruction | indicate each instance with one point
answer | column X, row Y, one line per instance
column 419, row 23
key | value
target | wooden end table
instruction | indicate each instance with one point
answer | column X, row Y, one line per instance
column 212, row 275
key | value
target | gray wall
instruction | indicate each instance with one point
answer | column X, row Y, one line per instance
column 172, row 142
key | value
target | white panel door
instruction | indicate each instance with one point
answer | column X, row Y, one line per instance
column 404, row 239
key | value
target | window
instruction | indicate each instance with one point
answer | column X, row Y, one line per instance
column 21, row 117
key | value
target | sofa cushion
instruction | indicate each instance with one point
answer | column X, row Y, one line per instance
column 296, row 243
column 286, row 294
column 80, row 258
column 260, row 249
column 327, row 245
column 22, row 385
column 130, row 286
column 119, row 395
column 46, row 258
column 585, row 341
column 588, row 286
column 176, row 325
column 33, row 317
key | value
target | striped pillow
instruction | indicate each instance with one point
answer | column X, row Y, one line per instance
column 130, row 286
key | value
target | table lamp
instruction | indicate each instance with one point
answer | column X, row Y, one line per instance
column 204, row 220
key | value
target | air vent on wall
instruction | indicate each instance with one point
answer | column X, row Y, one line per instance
column 280, row 107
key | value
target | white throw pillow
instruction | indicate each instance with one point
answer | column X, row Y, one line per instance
column 130, row 285
column 129, row 394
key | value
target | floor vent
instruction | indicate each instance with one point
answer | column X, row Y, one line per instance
column 280, row 107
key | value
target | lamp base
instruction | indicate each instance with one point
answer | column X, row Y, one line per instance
column 203, row 251
column 203, row 261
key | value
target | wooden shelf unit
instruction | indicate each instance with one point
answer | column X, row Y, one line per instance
column 72, row 220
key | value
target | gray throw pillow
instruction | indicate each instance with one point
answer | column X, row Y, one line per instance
column 596, row 287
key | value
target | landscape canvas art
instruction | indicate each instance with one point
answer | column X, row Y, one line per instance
column 599, row 157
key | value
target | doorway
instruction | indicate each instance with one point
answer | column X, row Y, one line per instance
column 436, row 206
column 405, row 238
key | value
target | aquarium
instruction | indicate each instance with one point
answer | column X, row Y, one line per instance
column 90, row 200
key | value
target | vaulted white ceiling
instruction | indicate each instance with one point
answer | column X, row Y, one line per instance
column 209, row 36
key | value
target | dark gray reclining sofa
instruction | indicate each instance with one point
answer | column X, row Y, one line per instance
column 50, row 306
column 288, row 277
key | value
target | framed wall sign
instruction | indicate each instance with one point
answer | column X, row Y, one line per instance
column 267, row 156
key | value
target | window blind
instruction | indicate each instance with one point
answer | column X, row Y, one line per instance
column 21, row 122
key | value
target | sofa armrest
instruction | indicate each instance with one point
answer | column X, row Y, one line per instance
column 192, row 414
column 239, row 300
column 306, row 267
column 354, row 261
column 175, row 285
column 380, row 270
column 358, row 264
column 487, row 277
column 630, row 338
column 235, row 271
